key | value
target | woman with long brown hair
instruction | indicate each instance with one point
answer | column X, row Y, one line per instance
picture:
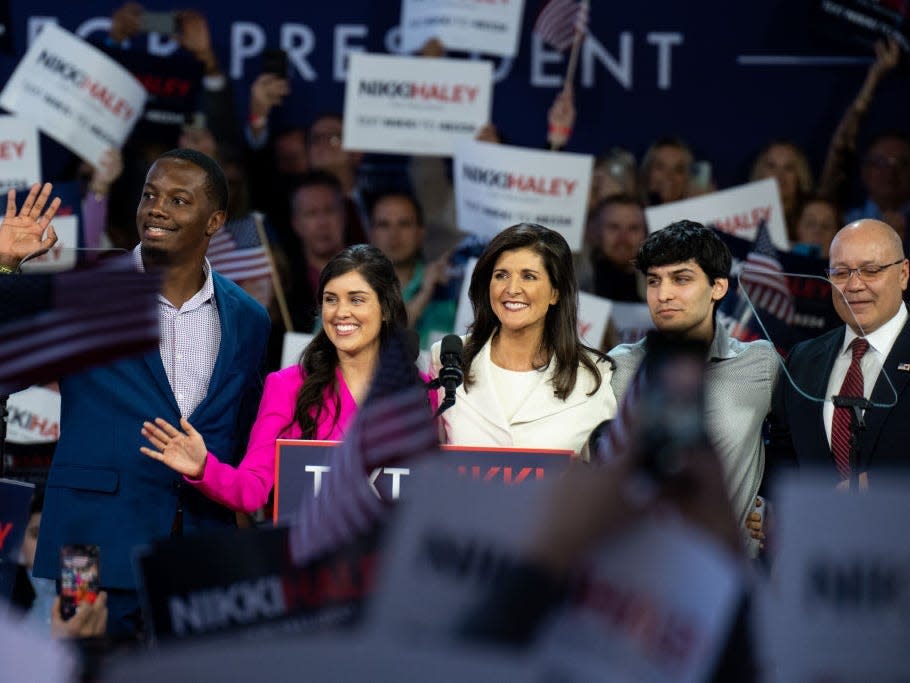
column 361, row 308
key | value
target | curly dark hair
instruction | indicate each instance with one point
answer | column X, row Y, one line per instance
column 682, row 241
column 560, row 337
column 320, row 358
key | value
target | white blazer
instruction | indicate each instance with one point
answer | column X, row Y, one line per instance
column 542, row 421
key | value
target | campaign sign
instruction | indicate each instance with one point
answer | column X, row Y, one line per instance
column 737, row 210
column 293, row 346
column 500, row 185
column 244, row 579
column 593, row 316
column 20, row 158
column 656, row 605
column 491, row 28
column 450, row 546
column 74, row 93
column 300, row 466
column 837, row 606
column 631, row 321
column 862, row 22
column 464, row 312
column 172, row 83
column 34, row 416
column 15, row 499
column 338, row 657
column 412, row 105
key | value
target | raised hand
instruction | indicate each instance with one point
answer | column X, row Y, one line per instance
column 887, row 55
column 267, row 91
column 21, row 234
column 183, row 452
column 194, row 36
column 561, row 118
column 126, row 21
column 106, row 172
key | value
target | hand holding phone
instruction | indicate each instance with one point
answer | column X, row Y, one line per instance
column 79, row 577
column 164, row 23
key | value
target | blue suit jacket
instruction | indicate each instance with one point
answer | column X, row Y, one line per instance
column 796, row 426
column 101, row 490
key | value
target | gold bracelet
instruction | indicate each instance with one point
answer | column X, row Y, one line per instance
column 7, row 270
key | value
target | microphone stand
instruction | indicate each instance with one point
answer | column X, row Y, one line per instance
column 858, row 406
column 446, row 403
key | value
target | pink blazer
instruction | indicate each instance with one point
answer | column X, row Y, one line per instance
column 247, row 486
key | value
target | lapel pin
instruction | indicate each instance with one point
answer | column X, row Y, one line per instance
column 903, row 367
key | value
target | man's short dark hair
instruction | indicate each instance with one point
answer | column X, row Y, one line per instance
column 682, row 241
column 889, row 134
column 322, row 116
column 398, row 194
column 319, row 178
column 216, row 187
column 615, row 200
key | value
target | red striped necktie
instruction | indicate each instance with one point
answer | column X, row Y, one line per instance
column 840, row 424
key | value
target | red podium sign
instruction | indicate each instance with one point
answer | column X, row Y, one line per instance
column 300, row 466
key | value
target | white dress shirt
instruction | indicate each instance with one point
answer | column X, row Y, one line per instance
column 880, row 343
column 190, row 339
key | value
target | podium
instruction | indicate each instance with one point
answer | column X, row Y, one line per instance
column 301, row 464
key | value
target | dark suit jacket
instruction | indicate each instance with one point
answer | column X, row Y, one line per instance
column 101, row 490
column 796, row 427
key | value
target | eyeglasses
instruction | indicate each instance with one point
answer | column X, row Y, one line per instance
column 331, row 139
column 865, row 273
column 882, row 162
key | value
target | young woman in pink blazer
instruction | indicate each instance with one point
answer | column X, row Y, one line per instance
column 361, row 307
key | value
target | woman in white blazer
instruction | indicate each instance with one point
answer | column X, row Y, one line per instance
column 529, row 381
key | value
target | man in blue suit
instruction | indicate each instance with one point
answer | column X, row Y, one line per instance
column 101, row 490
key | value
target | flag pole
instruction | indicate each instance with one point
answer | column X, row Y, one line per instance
column 576, row 47
column 276, row 281
column 580, row 31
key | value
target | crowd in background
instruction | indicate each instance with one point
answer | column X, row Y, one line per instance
column 319, row 200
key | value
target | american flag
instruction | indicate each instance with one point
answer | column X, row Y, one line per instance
column 236, row 251
column 394, row 424
column 560, row 20
column 762, row 278
column 84, row 318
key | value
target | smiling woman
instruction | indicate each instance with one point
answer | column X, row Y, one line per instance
column 529, row 381
column 317, row 399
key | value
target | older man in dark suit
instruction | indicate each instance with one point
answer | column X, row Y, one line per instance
column 867, row 358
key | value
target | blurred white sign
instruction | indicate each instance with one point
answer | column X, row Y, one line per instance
column 499, row 185
column 491, row 28
column 20, row 158
column 413, row 105
column 292, row 347
column 74, row 93
column 838, row 606
column 737, row 210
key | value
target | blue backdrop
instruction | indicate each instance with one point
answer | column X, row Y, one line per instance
column 648, row 68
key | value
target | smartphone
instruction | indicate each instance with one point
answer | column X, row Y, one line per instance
column 672, row 405
column 275, row 61
column 164, row 23
column 80, row 568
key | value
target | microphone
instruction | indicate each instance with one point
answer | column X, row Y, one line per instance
column 450, row 375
